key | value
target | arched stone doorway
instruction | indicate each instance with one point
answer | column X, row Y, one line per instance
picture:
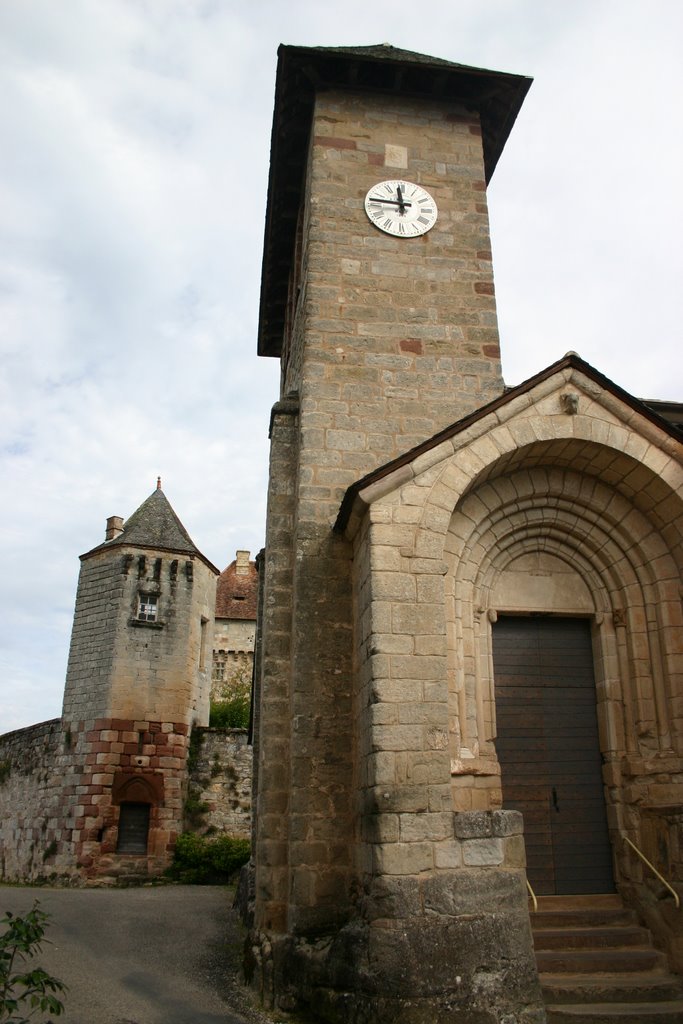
column 575, row 529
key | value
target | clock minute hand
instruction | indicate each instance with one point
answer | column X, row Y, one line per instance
column 392, row 202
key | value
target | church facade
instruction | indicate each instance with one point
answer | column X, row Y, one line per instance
column 470, row 671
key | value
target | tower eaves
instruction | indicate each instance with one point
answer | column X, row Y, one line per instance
column 302, row 72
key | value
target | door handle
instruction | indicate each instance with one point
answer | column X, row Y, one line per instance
column 555, row 801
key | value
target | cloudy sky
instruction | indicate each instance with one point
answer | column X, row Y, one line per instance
column 134, row 138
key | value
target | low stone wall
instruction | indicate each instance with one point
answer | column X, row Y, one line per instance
column 57, row 808
column 220, row 782
column 32, row 813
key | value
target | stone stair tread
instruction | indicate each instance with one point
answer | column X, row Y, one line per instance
column 633, row 987
column 590, row 901
column 586, row 918
column 597, row 965
column 597, row 936
column 669, row 1012
column 590, row 961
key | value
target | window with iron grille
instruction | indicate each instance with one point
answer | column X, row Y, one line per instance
column 147, row 607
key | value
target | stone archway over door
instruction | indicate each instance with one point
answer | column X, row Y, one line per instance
column 549, row 751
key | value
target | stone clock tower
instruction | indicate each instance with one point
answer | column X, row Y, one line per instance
column 470, row 673
column 378, row 299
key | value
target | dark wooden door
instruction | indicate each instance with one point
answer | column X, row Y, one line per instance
column 549, row 751
column 133, row 828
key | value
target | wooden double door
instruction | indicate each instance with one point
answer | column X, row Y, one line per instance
column 549, row 751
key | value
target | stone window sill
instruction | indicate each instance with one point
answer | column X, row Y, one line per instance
column 143, row 624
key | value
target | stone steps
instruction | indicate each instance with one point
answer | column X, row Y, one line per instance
column 598, row 966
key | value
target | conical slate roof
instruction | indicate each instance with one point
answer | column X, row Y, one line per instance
column 155, row 525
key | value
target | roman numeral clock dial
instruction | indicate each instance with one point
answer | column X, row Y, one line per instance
column 401, row 208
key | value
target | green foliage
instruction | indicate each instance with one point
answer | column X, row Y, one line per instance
column 196, row 740
column 194, row 808
column 200, row 860
column 231, row 709
column 25, row 991
column 229, row 714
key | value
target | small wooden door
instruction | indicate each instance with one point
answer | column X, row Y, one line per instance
column 549, row 751
column 133, row 828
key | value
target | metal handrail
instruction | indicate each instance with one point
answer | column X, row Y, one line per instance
column 654, row 870
column 533, row 896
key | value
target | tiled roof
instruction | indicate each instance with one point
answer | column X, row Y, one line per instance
column 236, row 592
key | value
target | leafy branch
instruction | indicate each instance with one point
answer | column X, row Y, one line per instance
column 25, row 990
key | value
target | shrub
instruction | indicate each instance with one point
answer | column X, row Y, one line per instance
column 200, row 860
column 230, row 714
column 25, row 990
column 231, row 708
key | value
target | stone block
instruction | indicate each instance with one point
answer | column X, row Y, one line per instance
column 507, row 823
column 483, row 852
column 403, row 858
column 425, row 826
column 473, row 824
column 514, row 854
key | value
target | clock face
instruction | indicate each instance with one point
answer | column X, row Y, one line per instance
column 400, row 208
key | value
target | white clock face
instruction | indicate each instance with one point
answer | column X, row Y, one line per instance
column 400, row 208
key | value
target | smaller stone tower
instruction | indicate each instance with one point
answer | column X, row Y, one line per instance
column 235, row 628
column 138, row 679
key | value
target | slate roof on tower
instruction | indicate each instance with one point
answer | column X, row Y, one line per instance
column 154, row 525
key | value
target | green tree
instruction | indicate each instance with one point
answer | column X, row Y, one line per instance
column 25, row 989
column 231, row 707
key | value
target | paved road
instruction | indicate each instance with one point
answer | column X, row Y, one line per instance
column 166, row 955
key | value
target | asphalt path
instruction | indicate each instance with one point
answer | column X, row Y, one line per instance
column 150, row 955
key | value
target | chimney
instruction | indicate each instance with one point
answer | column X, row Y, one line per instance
column 242, row 563
column 114, row 528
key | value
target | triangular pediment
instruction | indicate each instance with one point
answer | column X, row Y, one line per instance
column 544, row 409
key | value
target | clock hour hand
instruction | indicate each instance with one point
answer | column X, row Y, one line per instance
column 401, row 201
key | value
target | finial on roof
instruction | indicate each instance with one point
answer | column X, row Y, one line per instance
column 158, row 483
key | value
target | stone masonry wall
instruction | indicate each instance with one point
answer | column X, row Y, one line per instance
column 272, row 721
column 61, row 791
column 399, row 340
column 32, row 800
column 220, row 779
column 401, row 335
column 120, row 666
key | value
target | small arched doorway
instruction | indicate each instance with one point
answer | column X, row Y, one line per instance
column 133, row 832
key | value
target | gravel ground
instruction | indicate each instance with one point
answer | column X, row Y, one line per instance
column 150, row 955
